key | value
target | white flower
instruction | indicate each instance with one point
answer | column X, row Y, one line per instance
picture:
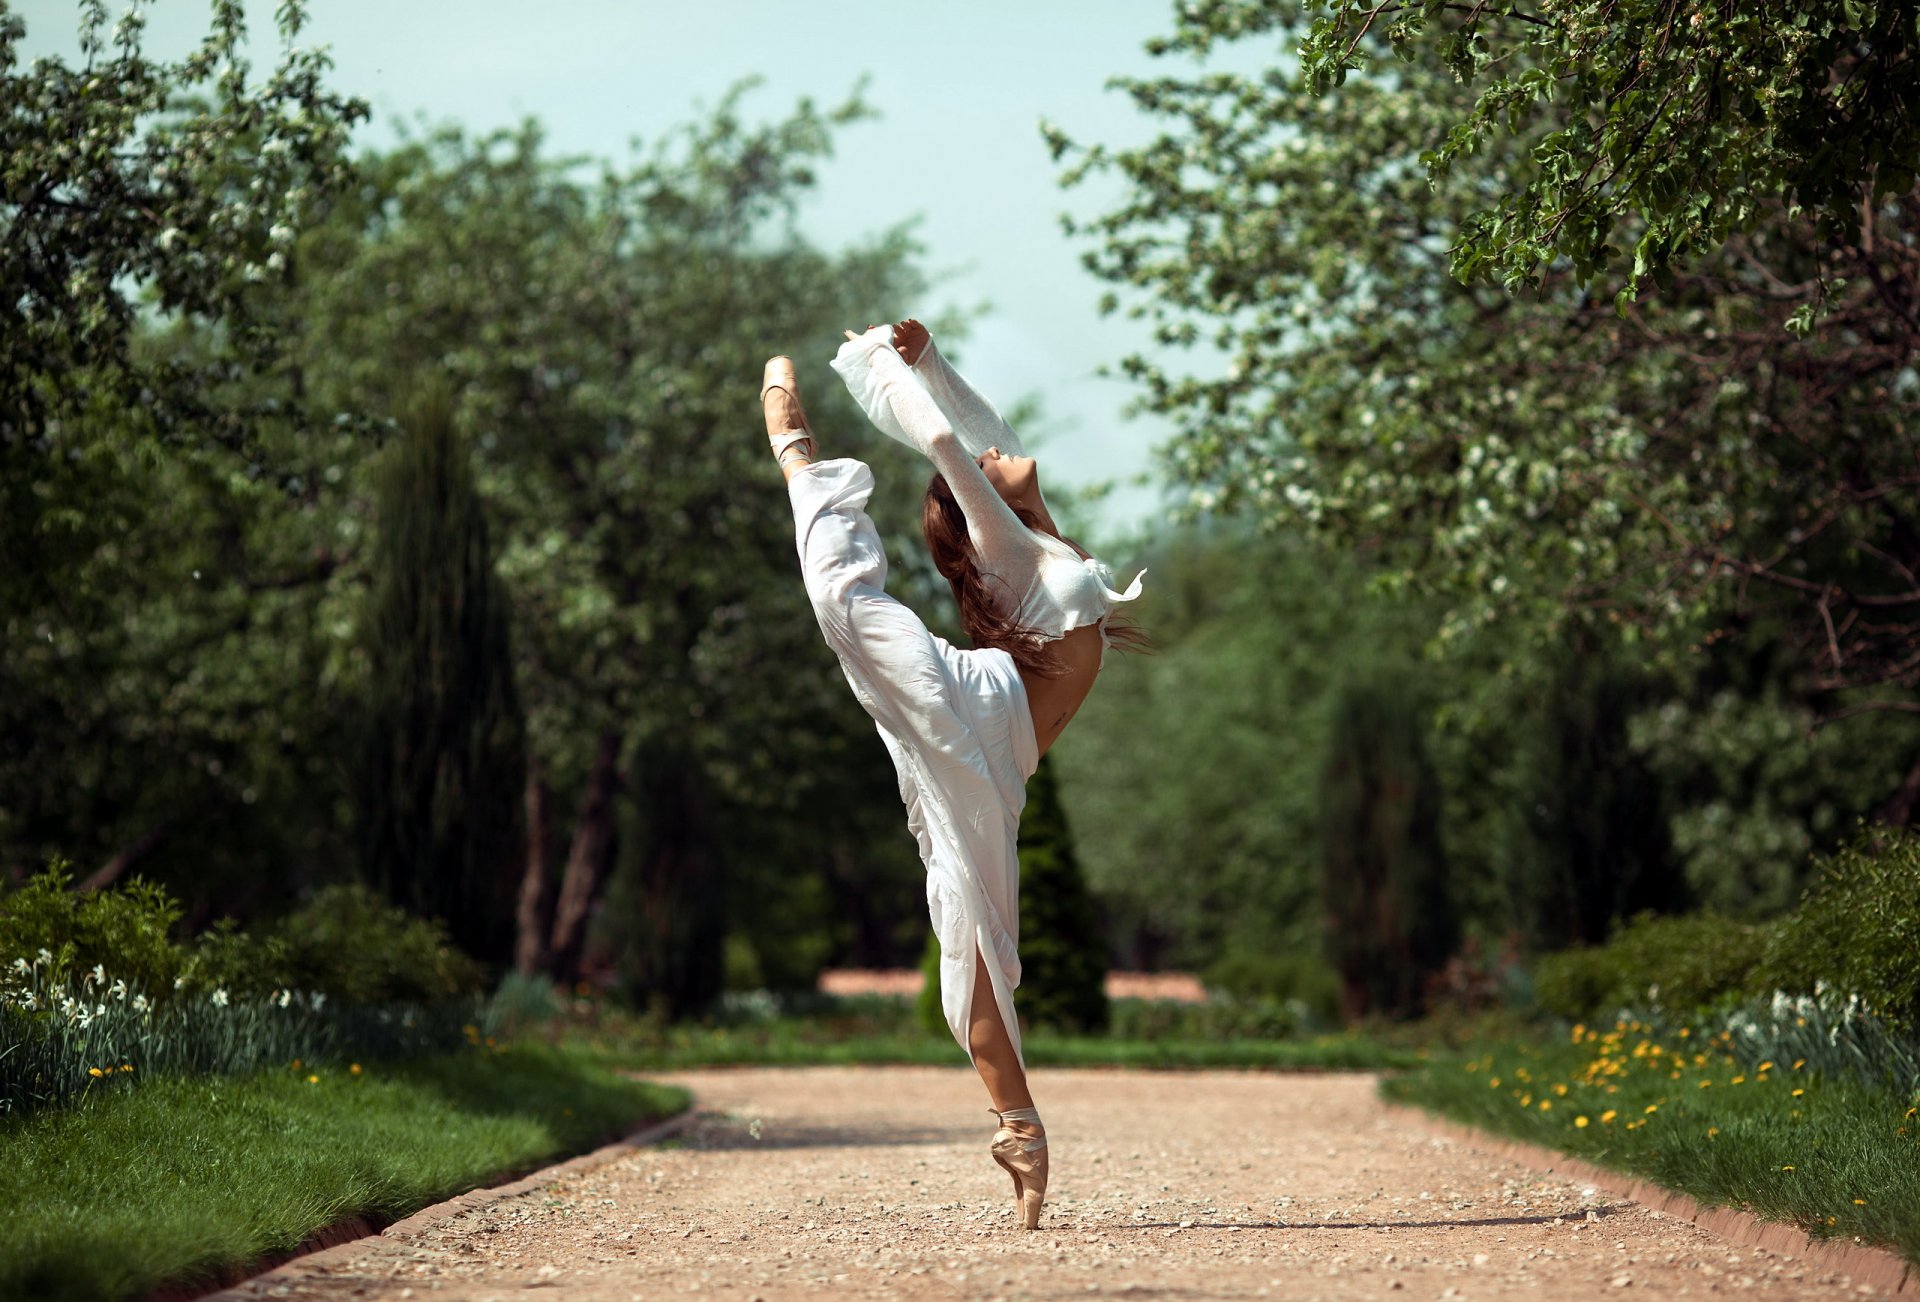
column 20, row 965
column 27, row 1001
column 139, row 1003
column 281, row 233
column 284, row 998
column 45, row 957
column 168, row 238
column 179, row 983
column 118, row 990
column 219, row 998
column 98, row 975
column 316, row 999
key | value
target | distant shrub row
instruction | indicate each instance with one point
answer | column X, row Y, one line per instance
column 1857, row 931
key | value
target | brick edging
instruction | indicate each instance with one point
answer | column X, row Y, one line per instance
column 1864, row 1263
column 338, row 1241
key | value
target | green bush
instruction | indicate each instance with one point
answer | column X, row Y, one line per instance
column 1680, row 963
column 926, row 1008
column 1277, row 978
column 350, row 944
column 127, row 929
column 1858, row 929
column 1217, row 1019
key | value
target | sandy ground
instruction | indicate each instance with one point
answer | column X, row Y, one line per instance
column 876, row 1182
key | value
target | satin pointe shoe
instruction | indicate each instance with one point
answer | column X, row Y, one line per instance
column 788, row 441
column 1025, row 1159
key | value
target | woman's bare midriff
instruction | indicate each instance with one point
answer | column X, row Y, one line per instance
column 1054, row 701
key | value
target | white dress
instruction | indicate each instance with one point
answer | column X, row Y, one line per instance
column 955, row 722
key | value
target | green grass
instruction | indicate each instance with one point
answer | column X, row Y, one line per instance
column 181, row 1179
column 1834, row 1156
column 812, row 1042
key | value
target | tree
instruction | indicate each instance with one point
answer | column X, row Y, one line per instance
column 1669, row 128
column 1676, row 471
column 443, row 747
column 605, row 334
column 167, row 505
column 1390, row 920
column 1063, row 953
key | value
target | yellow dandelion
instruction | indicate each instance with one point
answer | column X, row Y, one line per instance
column 1787, row 1168
column 1546, row 1105
column 1580, row 1123
column 313, row 1080
column 353, row 1069
column 1738, row 1080
column 1706, row 1084
column 95, row 1071
column 1652, row 1108
column 126, row 1066
column 1713, row 1132
column 1798, row 1063
column 1911, row 1112
column 1685, row 1031
column 1766, row 1066
column 1494, row 1083
column 1606, row 1118
column 1859, row 1202
column 1561, row 1090
column 1798, row 1093
column 1579, row 1032
column 1830, row 1220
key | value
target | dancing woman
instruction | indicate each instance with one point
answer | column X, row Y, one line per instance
column 965, row 728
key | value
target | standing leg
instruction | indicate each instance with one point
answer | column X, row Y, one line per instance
column 992, row 1048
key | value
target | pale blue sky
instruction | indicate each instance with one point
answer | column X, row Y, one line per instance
column 961, row 89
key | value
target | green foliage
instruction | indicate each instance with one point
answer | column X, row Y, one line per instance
column 1653, row 132
column 1600, row 849
column 350, row 944
column 1858, row 930
column 927, row 1012
column 1199, row 764
column 443, row 739
column 1063, row 955
column 1301, row 979
column 1383, row 881
column 1680, row 963
column 127, row 929
column 1540, row 461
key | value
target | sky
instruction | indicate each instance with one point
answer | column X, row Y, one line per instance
column 961, row 89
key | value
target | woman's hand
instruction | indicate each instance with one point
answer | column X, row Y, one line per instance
column 910, row 339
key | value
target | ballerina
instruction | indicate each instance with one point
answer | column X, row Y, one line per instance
column 965, row 728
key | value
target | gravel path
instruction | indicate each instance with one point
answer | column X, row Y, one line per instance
column 876, row 1182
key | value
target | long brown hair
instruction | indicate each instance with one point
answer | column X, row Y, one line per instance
column 985, row 601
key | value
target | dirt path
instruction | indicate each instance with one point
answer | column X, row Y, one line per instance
column 876, row 1182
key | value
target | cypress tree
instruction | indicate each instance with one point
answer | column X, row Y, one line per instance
column 1390, row 921
column 443, row 739
column 1063, row 953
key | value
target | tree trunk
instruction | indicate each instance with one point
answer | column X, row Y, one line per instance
column 533, row 914
column 1900, row 805
column 111, row 871
column 587, row 860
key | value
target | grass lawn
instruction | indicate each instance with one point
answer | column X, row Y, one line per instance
column 177, row 1179
column 1833, row 1156
column 805, row 1042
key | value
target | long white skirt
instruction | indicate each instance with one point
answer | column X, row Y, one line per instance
column 956, row 723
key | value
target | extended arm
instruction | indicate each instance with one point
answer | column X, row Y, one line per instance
column 883, row 386
column 977, row 421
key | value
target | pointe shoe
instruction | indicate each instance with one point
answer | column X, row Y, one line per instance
column 1025, row 1159
column 789, row 441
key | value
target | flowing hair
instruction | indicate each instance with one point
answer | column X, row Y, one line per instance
column 944, row 526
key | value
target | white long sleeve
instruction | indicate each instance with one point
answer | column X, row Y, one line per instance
column 886, row 390
column 977, row 421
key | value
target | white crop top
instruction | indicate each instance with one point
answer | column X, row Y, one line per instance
column 1051, row 589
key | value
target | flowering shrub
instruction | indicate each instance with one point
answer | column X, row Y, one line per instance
column 1858, row 928
column 63, row 1038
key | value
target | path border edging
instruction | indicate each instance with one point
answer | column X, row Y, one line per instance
column 1866, row 1264
column 334, row 1242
